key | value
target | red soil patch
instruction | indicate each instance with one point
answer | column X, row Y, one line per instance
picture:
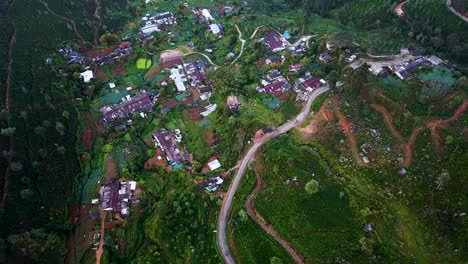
column 111, row 170
column 101, row 76
column 323, row 115
column 119, row 69
column 90, row 132
column 154, row 161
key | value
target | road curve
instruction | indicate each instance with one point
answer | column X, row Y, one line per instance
column 224, row 213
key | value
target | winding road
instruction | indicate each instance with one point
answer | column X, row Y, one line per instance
column 226, row 207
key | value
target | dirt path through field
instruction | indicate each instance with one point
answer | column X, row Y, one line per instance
column 346, row 126
column 298, row 258
column 75, row 29
column 100, row 249
column 97, row 15
column 388, row 119
column 7, row 108
column 435, row 125
column 399, row 8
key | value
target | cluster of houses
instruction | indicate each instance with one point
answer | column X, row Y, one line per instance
column 142, row 101
column 305, row 86
column 274, row 83
column 204, row 17
column 110, row 55
column 155, row 23
column 71, row 56
column 117, row 196
column 190, row 82
column 406, row 69
column 98, row 57
column 168, row 141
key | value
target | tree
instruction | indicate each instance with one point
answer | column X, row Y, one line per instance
column 16, row 166
column 312, row 187
column 60, row 128
column 275, row 260
column 243, row 215
column 448, row 140
column 9, row 131
column 109, row 39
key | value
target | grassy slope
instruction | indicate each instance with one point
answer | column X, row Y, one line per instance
column 253, row 245
column 320, row 226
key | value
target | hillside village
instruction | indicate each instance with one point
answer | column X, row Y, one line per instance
column 156, row 98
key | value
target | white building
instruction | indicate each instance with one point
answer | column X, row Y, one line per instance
column 178, row 78
column 215, row 29
column 209, row 109
column 214, row 164
column 206, row 13
column 149, row 28
column 87, row 76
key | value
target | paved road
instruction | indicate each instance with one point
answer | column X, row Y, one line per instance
column 450, row 7
column 224, row 213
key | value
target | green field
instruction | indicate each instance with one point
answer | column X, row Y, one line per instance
column 143, row 64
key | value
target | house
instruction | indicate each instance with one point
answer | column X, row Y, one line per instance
column 274, row 42
column 111, row 85
column 207, row 15
column 233, row 102
column 406, row 70
column 149, row 28
column 286, row 35
column 209, row 109
column 117, row 196
column 330, row 45
column 214, row 164
column 178, row 75
column 435, row 60
column 212, row 184
column 304, row 87
column 325, row 57
column 87, row 76
column 273, row 60
column 295, row 67
column 167, row 141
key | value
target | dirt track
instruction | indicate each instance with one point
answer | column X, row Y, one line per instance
column 75, row 29
column 433, row 125
column 298, row 258
column 7, row 108
column 388, row 119
column 346, row 126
